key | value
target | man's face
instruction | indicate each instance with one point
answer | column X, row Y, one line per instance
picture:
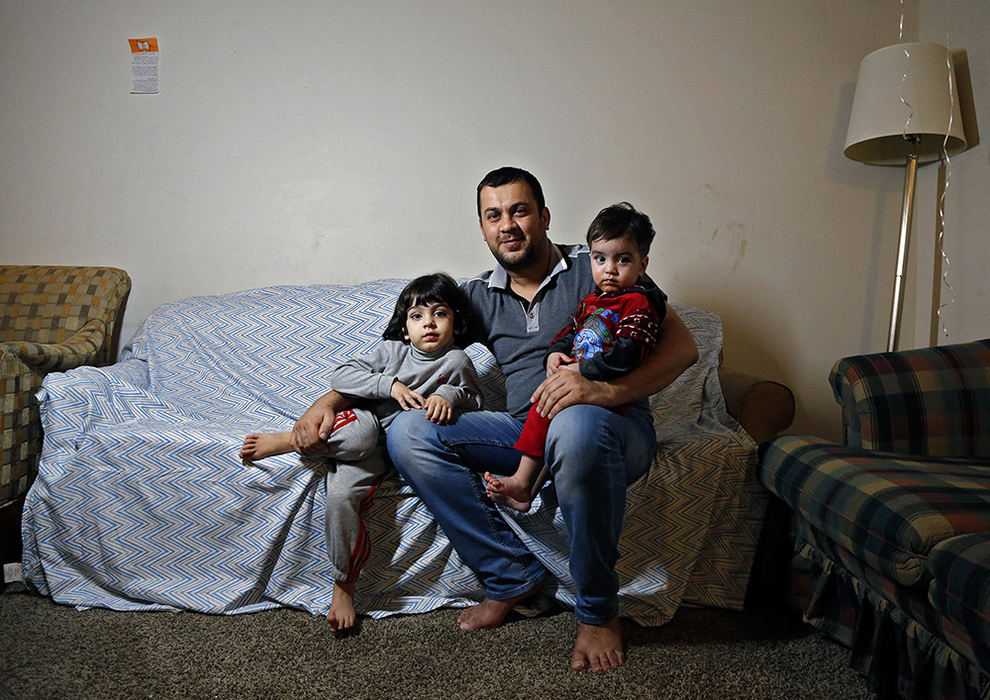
column 513, row 227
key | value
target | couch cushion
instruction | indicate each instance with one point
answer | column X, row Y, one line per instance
column 889, row 510
column 960, row 591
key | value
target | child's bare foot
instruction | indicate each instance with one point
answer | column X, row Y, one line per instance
column 261, row 445
column 598, row 647
column 342, row 613
column 489, row 613
column 508, row 492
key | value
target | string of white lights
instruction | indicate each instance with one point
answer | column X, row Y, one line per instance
column 940, row 236
column 945, row 262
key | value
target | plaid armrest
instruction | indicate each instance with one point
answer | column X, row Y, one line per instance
column 887, row 510
column 930, row 401
column 960, row 591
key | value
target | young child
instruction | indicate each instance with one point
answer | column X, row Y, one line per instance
column 615, row 327
column 419, row 366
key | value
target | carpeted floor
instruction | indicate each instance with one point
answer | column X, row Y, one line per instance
column 53, row 651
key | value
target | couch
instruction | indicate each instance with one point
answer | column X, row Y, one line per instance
column 52, row 318
column 141, row 502
column 892, row 529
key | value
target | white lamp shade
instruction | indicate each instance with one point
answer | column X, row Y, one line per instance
column 905, row 90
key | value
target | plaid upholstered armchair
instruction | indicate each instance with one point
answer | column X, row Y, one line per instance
column 892, row 530
column 52, row 318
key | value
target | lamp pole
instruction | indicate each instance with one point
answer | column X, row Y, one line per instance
column 907, row 209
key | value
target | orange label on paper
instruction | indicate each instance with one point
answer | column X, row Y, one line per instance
column 140, row 45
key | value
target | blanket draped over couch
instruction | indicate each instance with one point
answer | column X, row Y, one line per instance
column 141, row 502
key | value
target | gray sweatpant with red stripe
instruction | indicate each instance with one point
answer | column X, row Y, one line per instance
column 359, row 465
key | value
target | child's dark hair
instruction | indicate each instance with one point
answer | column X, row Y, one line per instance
column 436, row 288
column 622, row 220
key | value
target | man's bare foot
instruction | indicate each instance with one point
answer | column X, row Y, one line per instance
column 342, row 613
column 489, row 613
column 598, row 647
column 261, row 445
column 508, row 492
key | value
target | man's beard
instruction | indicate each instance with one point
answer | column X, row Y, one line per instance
column 529, row 257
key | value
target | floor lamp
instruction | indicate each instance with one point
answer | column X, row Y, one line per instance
column 905, row 113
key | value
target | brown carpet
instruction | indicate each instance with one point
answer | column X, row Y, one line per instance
column 54, row 651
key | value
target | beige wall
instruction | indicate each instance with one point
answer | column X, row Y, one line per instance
column 965, row 290
column 311, row 141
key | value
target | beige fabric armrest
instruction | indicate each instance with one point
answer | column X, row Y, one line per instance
column 80, row 349
column 763, row 407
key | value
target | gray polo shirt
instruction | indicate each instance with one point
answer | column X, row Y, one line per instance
column 518, row 334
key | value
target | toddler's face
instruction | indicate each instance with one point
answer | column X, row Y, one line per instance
column 429, row 326
column 616, row 264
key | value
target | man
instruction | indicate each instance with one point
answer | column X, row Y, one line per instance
column 593, row 453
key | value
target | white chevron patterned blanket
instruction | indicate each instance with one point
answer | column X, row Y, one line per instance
column 141, row 502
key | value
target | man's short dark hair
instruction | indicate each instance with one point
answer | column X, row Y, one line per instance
column 622, row 220
column 508, row 175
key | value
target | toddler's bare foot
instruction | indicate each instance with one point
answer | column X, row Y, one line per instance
column 342, row 613
column 489, row 613
column 261, row 445
column 508, row 492
column 598, row 647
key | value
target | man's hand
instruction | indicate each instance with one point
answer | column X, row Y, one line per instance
column 310, row 432
column 563, row 389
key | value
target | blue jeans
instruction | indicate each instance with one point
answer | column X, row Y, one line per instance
column 592, row 454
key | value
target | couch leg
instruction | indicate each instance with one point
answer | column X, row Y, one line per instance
column 769, row 579
column 10, row 530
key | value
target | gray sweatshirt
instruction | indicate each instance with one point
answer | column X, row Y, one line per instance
column 447, row 372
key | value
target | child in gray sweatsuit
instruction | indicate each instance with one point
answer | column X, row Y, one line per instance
column 418, row 366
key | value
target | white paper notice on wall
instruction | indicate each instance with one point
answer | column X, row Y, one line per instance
column 144, row 66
